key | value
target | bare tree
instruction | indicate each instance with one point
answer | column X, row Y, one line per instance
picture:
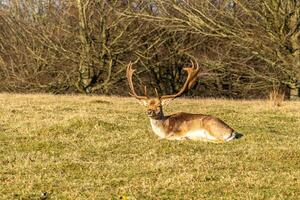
column 256, row 41
column 58, row 45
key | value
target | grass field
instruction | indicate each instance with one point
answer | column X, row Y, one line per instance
column 82, row 147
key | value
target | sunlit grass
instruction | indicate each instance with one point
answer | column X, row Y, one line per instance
column 81, row 147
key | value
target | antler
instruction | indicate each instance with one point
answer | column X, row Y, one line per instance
column 192, row 76
column 129, row 74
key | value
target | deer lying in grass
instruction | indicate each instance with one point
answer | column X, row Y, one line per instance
column 181, row 125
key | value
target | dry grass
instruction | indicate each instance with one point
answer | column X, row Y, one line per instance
column 276, row 97
column 80, row 147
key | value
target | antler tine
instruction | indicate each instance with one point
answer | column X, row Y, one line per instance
column 156, row 93
column 145, row 91
column 197, row 66
column 191, row 78
column 195, row 73
column 193, row 66
column 129, row 73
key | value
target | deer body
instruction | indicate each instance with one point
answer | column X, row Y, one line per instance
column 182, row 126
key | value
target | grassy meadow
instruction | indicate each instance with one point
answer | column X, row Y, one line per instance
column 97, row 147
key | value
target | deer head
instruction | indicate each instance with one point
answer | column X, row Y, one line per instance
column 154, row 104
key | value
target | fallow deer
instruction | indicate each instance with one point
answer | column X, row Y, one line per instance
column 181, row 125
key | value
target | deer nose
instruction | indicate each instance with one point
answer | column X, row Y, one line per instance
column 150, row 112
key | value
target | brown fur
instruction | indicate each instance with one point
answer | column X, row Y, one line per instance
column 177, row 126
column 181, row 125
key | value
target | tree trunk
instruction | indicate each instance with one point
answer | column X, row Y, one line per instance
column 85, row 69
column 294, row 93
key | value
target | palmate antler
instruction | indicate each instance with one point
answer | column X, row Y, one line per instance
column 192, row 76
column 129, row 74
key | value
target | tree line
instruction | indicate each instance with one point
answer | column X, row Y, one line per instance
column 244, row 48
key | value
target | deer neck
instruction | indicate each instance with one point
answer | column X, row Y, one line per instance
column 157, row 125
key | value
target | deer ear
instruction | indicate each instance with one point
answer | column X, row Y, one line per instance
column 166, row 101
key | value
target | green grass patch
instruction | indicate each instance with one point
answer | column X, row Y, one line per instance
column 81, row 147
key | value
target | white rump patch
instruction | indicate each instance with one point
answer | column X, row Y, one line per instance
column 199, row 135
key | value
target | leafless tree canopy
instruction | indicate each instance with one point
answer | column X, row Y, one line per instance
column 245, row 48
